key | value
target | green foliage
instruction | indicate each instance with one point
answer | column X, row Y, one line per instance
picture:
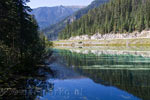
column 19, row 36
column 21, row 50
column 115, row 16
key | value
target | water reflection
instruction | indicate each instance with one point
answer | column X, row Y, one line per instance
column 88, row 59
column 102, row 76
column 82, row 74
column 23, row 83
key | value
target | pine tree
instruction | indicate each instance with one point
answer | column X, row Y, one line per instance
column 114, row 16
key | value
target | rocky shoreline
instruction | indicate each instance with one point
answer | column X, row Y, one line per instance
column 98, row 36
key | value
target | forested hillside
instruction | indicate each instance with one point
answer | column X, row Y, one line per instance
column 116, row 16
column 53, row 30
column 19, row 37
column 47, row 16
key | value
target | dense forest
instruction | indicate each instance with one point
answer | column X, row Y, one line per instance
column 115, row 16
column 22, row 50
column 20, row 41
column 53, row 31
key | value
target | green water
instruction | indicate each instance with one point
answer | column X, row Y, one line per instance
column 99, row 75
column 83, row 74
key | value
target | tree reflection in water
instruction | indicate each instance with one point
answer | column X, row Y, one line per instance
column 126, row 72
column 121, row 71
column 23, row 83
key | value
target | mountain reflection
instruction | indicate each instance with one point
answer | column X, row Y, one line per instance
column 125, row 71
column 82, row 70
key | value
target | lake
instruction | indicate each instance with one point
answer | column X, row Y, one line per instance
column 82, row 74
column 98, row 74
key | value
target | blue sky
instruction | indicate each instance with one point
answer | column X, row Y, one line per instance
column 50, row 3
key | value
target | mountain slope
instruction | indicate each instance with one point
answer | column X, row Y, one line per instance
column 117, row 16
column 47, row 16
column 53, row 31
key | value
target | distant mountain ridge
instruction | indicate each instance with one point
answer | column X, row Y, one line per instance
column 47, row 16
column 53, row 31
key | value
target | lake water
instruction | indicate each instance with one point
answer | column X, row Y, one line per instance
column 98, row 74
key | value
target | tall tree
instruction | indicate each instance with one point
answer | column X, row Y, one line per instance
column 115, row 16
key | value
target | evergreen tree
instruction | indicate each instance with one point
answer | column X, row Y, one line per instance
column 19, row 36
column 115, row 16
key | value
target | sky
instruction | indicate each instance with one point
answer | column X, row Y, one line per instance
column 50, row 3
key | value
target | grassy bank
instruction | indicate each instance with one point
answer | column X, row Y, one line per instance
column 112, row 42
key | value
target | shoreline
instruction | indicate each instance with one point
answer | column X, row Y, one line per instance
column 124, row 39
column 111, row 36
column 113, row 42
